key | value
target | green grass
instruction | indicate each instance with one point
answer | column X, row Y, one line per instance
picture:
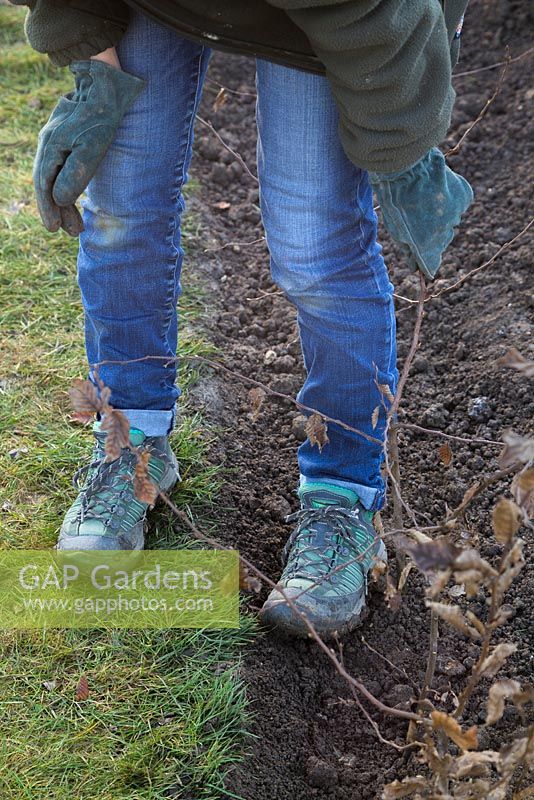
column 163, row 717
column 165, row 712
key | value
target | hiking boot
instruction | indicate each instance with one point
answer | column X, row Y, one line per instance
column 106, row 515
column 321, row 574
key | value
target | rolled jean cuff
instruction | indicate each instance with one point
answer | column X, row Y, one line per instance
column 152, row 423
column 370, row 497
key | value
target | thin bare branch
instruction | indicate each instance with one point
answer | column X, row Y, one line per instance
column 431, row 432
column 235, row 154
column 374, row 726
column 394, row 667
column 484, row 110
column 493, row 66
column 265, row 296
column 502, row 248
column 430, row 667
column 413, row 348
column 394, row 471
column 230, row 91
column 478, row 487
column 472, row 272
column 234, row 244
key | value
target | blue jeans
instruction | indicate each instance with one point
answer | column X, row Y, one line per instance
column 320, row 227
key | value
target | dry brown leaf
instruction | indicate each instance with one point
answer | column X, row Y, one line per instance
column 518, row 449
column 393, row 596
column 469, row 764
column 453, row 615
column 470, row 559
column 497, row 792
column 220, row 100
column 105, row 394
column 256, row 396
column 470, row 493
column 438, row 554
column 498, row 693
column 144, row 487
column 83, row 417
column 492, row 664
column 378, row 570
column 515, row 360
column 506, row 520
column 519, row 751
column 117, row 426
column 502, row 616
column 476, row 622
column 445, row 454
column 439, row 582
column 466, row 740
column 404, row 575
column 420, row 537
column 471, row 571
column 82, row 689
column 514, row 556
column 85, row 400
column 470, row 581
column 523, row 697
column 511, row 566
column 475, row 789
column 378, row 524
column 523, row 491
column 507, row 578
column 247, row 581
column 439, row 764
column 316, row 431
column 404, row 788
column 524, row 794
column 374, row 418
column 384, row 389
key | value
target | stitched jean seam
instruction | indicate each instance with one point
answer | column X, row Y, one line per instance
column 179, row 181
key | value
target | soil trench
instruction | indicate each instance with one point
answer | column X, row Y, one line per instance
column 312, row 742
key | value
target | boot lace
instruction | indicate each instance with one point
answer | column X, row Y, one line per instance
column 104, row 487
column 302, row 550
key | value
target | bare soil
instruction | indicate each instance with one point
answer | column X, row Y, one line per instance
column 312, row 742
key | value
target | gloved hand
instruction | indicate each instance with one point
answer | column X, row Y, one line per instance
column 421, row 207
column 76, row 137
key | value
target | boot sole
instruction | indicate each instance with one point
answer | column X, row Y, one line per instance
column 285, row 626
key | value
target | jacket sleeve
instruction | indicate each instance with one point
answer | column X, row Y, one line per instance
column 389, row 65
column 72, row 30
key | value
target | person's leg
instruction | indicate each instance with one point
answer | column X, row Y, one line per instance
column 129, row 274
column 130, row 255
column 320, row 226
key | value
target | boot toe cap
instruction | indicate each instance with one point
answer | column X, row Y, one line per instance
column 328, row 616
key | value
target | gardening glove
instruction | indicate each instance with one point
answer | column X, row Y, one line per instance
column 421, row 207
column 75, row 139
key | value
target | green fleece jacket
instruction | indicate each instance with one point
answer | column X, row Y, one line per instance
column 389, row 62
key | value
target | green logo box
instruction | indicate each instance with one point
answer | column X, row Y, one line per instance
column 119, row 589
